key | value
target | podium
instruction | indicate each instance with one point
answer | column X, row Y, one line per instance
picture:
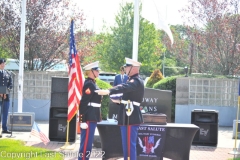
column 3, row 90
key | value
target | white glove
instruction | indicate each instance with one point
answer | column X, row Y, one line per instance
column 116, row 100
column 116, row 96
column 102, row 92
column 143, row 111
column 84, row 125
column 131, row 108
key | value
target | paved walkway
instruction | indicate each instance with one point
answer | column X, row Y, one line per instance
column 221, row 152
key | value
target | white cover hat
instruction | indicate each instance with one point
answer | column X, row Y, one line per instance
column 93, row 66
column 131, row 62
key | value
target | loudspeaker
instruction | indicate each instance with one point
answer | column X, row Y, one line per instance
column 58, row 125
column 59, row 99
column 59, row 94
column 207, row 121
column 59, row 84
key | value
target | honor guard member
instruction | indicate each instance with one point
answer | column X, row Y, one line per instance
column 129, row 115
column 5, row 80
column 89, row 110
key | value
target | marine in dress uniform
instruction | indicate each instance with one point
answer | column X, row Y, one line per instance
column 89, row 110
column 5, row 80
column 132, row 92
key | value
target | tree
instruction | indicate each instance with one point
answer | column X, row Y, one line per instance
column 177, row 54
column 47, row 30
column 214, row 36
column 154, row 78
column 86, row 46
column 3, row 52
column 117, row 44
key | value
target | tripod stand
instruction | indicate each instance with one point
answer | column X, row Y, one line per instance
column 11, row 136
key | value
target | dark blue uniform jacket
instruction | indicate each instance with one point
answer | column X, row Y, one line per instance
column 133, row 90
column 90, row 98
column 6, row 80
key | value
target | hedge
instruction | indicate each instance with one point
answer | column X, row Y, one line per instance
column 105, row 101
column 168, row 83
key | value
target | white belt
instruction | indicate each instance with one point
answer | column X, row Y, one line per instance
column 134, row 103
column 94, row 104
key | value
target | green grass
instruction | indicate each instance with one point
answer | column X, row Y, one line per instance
column 15, row 149
column 234, row 159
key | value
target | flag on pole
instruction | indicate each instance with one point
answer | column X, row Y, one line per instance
column 156, row 17
column 76, row 78
column 39, row 134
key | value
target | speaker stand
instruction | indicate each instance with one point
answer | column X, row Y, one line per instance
column 11, row 136
column 234, row 152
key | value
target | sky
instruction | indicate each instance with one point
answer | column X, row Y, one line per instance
column 99, row 11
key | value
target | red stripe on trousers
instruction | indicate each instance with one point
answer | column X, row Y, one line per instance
column 85, row 142
column 129, row 139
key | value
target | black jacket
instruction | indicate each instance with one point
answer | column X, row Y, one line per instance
column 133, row 90
column 6, row 80
column 87, row 111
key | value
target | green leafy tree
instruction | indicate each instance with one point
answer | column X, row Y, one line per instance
column 171, row 66
column 176, row 55
column 117, row 44
column 3, row 52
column 102, row 49
column 86, row 43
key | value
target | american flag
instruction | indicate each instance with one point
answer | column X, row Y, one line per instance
column 39, row 134
column 76, row 78
column 149, row 143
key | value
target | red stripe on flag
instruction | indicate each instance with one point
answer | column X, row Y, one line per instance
column 39, row 134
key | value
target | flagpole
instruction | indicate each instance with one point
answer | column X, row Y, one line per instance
column 21, row 58
column 164, row 53
column 67, row 141
column 66, row 145
column 135, row 30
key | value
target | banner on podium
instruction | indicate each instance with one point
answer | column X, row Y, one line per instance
column 151, row 141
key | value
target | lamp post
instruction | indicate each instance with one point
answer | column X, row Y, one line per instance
column 186, row 71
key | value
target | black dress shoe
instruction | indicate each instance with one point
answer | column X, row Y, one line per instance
column 7, row 131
